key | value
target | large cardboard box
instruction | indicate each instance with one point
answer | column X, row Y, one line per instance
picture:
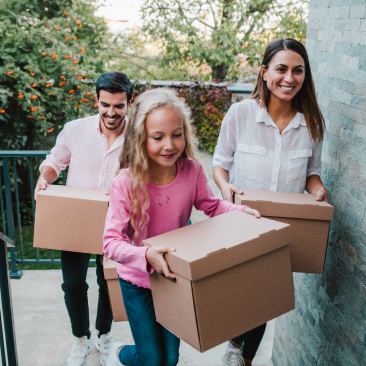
column 233, row 273
column 72, row 219
column 114, row 289
column 308, row 218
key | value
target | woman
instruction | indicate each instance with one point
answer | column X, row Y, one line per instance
column 273, row 142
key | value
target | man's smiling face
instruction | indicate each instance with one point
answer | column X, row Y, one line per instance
column 112, row 109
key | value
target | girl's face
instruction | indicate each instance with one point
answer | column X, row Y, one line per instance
column 285, row 74
column 165, row 137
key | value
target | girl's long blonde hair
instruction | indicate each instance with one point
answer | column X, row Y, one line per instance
column 134, row 154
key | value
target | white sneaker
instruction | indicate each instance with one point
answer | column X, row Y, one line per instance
column 103, row 344
column 113, row 359
column 80, row 349
column 233, row 357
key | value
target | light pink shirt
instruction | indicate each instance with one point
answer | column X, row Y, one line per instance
column 170, row 208
column 82, row 146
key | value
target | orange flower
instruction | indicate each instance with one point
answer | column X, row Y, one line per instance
column 27, row 69
column 95, row 105
column 34, row 85
column 80, row 77
column 31, row 116
column 88, row 93
column 67, row 38
column 54, row 56
column 66, row 23
column 48, row 85
column 82, row 50
column 80, row 101
column 85, row 100
column 44, row 53
column 27, row 40
column 87, row 103
column 34, row 97
column 54, row 52
column 2, row 111
column 75, row 38
column 80, row 26
column 42, row 97
column 79, row 87
column 75, row 62
column 33, row 109
column 62, row 77
column 73, row 68
column 61, row 84
column 47, row 26
column 20, row 95
column 71, row 91
column 50, row 93
column 78, row 106
column 9, row 72
column 66, row 13
column 31, row 73
column 91, row 76
column 70, row 99
column 51, row 130
column 41, row 117
column 78, row 22
column 57, row 28
column 68, row 56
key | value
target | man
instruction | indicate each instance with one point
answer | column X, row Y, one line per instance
column 90, row 147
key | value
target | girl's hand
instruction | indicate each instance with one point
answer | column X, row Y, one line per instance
column 155, row 257
column 321, row 195
column 228, row 190
column 252, row 211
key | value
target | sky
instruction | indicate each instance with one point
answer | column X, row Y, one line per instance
column 116, row 11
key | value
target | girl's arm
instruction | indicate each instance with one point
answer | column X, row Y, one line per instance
column 117, row 245
column 211, row 205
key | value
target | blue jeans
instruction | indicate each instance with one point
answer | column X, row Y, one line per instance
column 154, row 345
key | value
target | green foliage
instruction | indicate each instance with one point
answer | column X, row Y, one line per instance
column 48, row 65
column 214, row 32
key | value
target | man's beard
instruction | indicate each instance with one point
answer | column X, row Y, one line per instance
column 112, row 128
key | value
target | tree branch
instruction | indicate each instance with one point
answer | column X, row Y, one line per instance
column 213, row 14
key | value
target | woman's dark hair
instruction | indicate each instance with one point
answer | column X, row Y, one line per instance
column 115, row 82
column 305, row 100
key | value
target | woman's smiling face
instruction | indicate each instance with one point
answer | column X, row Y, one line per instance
column 285, row 75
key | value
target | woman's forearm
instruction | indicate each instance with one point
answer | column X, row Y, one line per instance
column 315, row 186
column 221, row 177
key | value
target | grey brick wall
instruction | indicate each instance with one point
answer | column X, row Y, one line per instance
column 328, row 327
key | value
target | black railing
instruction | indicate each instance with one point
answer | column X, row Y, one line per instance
column 18, row 173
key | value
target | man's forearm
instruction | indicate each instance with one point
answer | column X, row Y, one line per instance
column 48, row 173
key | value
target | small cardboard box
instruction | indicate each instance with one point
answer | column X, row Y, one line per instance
column 114, row 289
column 72, row 219
column 308, row 218
column 233, row 273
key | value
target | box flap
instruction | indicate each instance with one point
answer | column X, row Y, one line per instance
column 286, row 204
column 110, row 269
column 221, row 242
column 74, row 192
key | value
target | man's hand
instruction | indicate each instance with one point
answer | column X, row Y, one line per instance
column 41, row 184
column 252, row 211
column 155, row 257
column 48, row 176
column 228, row 190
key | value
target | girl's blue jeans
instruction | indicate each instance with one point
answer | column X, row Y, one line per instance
column 154, row 345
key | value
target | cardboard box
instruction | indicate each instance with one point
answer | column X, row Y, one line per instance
column 114, row 289
column 72, row 219
column 308, row 218
column 233, row 273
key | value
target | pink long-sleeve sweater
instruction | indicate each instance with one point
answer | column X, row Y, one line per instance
column 170, row 208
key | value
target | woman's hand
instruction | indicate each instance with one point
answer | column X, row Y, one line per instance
column 228, row 190
column 321, row 195
column 155, row 257
column 252, row 211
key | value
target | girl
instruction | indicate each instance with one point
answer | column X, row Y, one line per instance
column 273, row 142
column 159, row 183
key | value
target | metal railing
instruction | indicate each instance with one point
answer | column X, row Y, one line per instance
column 8, row 348
column 11, row 188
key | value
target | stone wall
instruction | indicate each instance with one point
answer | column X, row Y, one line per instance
column 328, row 326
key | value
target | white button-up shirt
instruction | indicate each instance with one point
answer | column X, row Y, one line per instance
column 82, row 146
column 258, row 156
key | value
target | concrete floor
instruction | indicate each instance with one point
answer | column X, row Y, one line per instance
column 42, row 326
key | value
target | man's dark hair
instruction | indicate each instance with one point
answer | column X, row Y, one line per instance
column 115, row 82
